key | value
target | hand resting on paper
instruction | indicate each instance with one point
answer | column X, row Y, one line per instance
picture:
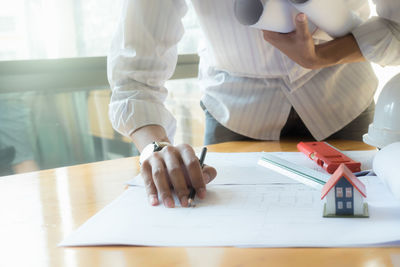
column 299, row 46
column 174, row 169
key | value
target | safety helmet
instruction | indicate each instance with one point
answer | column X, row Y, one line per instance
column 385, row 129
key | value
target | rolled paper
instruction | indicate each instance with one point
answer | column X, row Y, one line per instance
column 271, row 15
column 386, row 166
column 332, row 16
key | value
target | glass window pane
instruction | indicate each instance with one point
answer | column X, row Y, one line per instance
column 37, row 29
column 349, row 192
column 48, row 130
column 348, row 205
column 191, row 38
column 339, row 192
column 340, row 205
column 41, row 130
column 184, row 103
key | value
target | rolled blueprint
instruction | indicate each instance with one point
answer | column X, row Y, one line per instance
column 332, row 16
column 271, row 15
column 386, row 166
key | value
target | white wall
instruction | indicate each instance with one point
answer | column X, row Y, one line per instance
column 330, row 202
column 358, row 203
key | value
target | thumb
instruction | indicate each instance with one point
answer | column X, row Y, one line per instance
column 302, row 24
column 209, row 173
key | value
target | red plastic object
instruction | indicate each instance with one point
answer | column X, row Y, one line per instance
column 327, row 157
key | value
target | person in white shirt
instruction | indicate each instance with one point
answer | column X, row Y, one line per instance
column 254, row 82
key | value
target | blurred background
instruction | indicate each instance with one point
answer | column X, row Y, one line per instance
column 54, row 92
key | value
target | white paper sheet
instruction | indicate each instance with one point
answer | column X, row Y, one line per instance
column 244, row 213
column 387, row 166
column 242, row 168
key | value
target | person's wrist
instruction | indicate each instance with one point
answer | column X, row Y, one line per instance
column 149, row 149
column 324, row 58
column 339, row 51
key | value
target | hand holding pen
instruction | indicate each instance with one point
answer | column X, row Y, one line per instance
column 175, row 170
column 192, row 193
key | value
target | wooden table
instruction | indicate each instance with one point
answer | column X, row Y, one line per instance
column 39, row 209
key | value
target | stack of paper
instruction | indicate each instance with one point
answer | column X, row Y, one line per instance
column 247, row 205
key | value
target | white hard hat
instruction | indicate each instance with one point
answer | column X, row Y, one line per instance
column 385, row 128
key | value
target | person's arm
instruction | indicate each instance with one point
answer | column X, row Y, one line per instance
column 148, row 134
column 377, row 40
column 299, row 46
column 143, row 56
column 379, row 37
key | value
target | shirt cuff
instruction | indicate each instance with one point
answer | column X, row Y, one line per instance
column 128, row 115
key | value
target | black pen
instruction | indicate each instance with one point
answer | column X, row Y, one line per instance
column 192, row 193
column 364, row 173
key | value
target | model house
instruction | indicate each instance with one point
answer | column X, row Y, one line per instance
column 344, row 195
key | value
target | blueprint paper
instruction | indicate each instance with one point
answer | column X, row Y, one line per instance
column 242, row 168
column 242, row 215
column 245, row 214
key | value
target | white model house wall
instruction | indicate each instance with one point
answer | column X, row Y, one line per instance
column 330, row 201
column 358, row 203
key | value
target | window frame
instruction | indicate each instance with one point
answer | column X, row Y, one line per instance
column 339, row 192
column 348, row 192
column 71, row 74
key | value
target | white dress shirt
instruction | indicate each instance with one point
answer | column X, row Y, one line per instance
column 249, row 86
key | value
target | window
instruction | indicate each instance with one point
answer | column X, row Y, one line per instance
column 339, row 192
column 349, row 192
column 339, row 205
column 71, row 90
column 38, row 29
column 348, row 205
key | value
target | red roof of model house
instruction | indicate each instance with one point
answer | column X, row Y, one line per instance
column 341, row 171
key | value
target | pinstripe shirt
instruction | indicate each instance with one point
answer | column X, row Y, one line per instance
column 248, row 85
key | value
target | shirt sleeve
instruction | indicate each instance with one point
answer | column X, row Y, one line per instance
column 143, row 55
column 379, row 37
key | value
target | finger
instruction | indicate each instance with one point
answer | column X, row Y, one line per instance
column 302, row 25
column 151, row 189
column 193, row 169
column 172, row 161
column 209, row 173
column 159, row 174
